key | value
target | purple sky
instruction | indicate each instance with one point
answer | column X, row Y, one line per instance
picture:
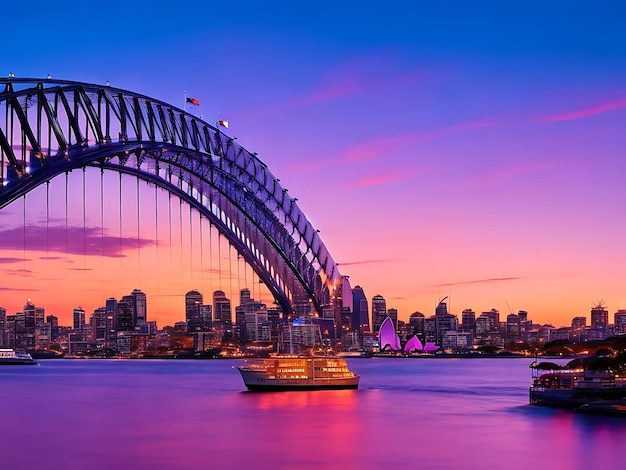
column 471, row 149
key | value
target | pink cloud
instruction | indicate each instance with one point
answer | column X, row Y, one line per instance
column 379, row 147
column 376, row 180
column 11, row 260
column 478, row 281
column 73, row 240
column 583, row 113
column 373, row 261
column 348, row 79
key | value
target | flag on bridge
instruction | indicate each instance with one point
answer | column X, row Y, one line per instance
column 193, row 101
column 223, row 123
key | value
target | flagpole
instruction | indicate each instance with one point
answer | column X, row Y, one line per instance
column 185, row 101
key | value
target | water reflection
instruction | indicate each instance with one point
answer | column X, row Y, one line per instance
column 435, row 414
column 339, row 400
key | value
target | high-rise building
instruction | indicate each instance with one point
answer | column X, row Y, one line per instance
column 393, row 314
column 379, row 312
column 125, row 314
column 79, row 318
column 111, row 309
column 494, row 319
column 468, row 320
column 443, row 321
column 221, row 308
column 54, row 327
column 99, row 327
column 140, row 308
column 416, row 325
column 512, row 327
column 193, row 315
column 244, row 296
column 599, row 317
column 620, row 322
column 360, row 311
column 3, row 326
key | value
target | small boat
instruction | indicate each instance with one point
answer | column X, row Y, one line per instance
column 298, row 373
column 11, row 357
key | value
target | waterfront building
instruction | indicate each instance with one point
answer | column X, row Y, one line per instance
column 43, row 335
column 99, row 325
column 193, row 314
column 579, row 325
column 54, row 327
column 79, row 318
column 140, row 308
column 457, row 340
column 493, row 316
column 393, row 314
column 125, row 315
column 360, row 311
column 599, row 317
column 563, row 333
column 379, row 312
column 620, row 322
column 512, row 327
column 468, row 320
column 416, row 325
column 3, row 325
column 444, row 321
column 111, row 309
column 9, row 336
column 546, row 333
column 221, row 308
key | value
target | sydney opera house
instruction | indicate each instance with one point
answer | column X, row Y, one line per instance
column 389, row 340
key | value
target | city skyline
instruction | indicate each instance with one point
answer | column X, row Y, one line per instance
column 371, row 315
column 474, row 151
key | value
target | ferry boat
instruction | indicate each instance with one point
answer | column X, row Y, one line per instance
column 298, row 373
column 567, row 387
column 11, row 357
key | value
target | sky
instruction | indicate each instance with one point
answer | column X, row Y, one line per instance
column 470, row 149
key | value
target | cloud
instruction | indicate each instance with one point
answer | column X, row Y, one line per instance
column 351, row 78
column 376, row 180
column 372, row 261
column 477, row 281
column 89, row 241
column 13, row 289
column 11, row 260
column 583, row 113
column 17, row 272
column 383, row 146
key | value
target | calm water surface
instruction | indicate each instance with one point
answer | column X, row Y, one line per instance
column 407, row 413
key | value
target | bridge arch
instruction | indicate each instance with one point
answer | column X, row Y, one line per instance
column 49, row 127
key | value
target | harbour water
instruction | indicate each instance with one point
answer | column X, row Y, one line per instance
column 407, row 413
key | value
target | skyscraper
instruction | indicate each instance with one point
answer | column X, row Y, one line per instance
column 360, row 310
column 221, row 308
column 416, row 325
column 620, row 322
column 599, row 317
column 193, row 315
column 111, row 310
column 140, row 308
column 79, row 318
column 393, row 314
column 379, row 312
column 3, row 326
column 125, row 314
column 443, row 321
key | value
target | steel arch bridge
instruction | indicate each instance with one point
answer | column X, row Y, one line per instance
column 49, row 127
